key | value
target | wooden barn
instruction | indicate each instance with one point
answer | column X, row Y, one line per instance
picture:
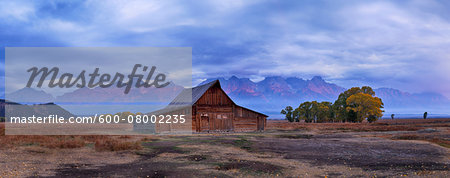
column 214, row 111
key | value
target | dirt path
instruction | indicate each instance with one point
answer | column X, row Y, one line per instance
column 382, row 156
column 284, row 154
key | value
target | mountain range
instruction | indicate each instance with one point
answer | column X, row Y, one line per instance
column 268, row 96
column 274, row 93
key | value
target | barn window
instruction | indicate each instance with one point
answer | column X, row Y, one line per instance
column 219, row 116
column 225, row 116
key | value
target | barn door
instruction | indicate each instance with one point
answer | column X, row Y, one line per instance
column 260, row 123
column 204, row 123
column 227, row 122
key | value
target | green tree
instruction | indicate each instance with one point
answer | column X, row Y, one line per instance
column 322, row 111
column 365, row 106
column 305, row 112
column 290, row 114
column 425, row 114
column 352, row 116
column 392, row 116
column 316, row 112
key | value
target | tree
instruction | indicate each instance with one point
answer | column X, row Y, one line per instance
column 425, row 115
column 392, row 116
column 304, row 111
column 352, row 116
column 340, row 105
column 365, row 106
column 328, row 111
column 295, row 115
column 341, row 114
column 322, row 111
column 290, row 114
column 315, row 112
column 353, row 105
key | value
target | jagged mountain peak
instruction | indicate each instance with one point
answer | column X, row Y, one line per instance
column 273, row 78
column 233, row 78
column 295, row 78
column 317, row 79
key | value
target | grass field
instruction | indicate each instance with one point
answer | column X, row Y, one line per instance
column 400, row 147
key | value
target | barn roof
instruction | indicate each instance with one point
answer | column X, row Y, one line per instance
column 191, row 95
column 253, row 110
column 187, row 97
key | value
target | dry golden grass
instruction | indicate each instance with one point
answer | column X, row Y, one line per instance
column 381, row 125
column 118, row 143
column 45, row 141
column 64, row 142
column 355, row 127
column 433, row 138
column 101, row 142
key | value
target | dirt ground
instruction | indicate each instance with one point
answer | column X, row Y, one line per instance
column 383, row 149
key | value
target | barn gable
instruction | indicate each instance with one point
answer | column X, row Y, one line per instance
column 211, row 89
column 214, row 95
column 214, row 111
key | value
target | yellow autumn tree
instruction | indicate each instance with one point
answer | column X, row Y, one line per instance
column 365, row 106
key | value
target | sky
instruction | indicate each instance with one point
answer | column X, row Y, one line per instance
column 395, row 44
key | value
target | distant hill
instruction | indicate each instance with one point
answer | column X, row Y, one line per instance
column 394, row 97
column 274, row 93
column 38, row 110
column 30, row 95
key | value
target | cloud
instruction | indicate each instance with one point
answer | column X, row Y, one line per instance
column 16, row 11
column 382, row 43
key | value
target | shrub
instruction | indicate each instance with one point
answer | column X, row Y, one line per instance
column 65, row 142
